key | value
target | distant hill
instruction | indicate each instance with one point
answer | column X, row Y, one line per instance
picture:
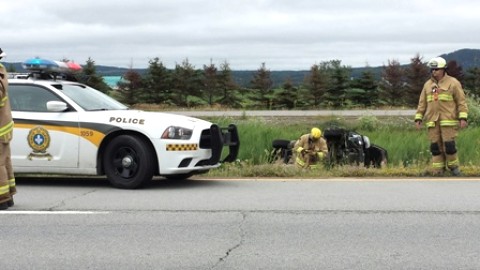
column 466, row 58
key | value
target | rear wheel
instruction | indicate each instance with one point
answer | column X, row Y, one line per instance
column 128, row 162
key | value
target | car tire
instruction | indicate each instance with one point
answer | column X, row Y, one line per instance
column 128, row 162
column 280, row 144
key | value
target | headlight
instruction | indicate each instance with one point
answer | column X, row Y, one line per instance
column 177, row 133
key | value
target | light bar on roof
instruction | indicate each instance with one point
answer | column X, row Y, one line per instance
column 44, row 65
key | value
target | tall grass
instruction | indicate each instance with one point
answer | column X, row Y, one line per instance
column 406, row 146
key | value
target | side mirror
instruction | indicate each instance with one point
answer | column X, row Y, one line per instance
column 56, row 106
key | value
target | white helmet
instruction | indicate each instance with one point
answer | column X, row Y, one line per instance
column 437, row 62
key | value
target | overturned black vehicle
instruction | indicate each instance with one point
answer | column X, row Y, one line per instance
column 344, row 147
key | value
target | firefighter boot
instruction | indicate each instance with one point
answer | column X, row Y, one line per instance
column 3, row 206
column 456, row 171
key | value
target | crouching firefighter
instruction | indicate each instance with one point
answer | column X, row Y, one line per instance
column 443, row 108
column 310, row 149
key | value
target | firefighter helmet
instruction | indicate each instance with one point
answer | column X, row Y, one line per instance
column 437, row 62
column 316, row 133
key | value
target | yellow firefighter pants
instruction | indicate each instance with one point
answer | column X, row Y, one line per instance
column 440, row 135
column 7, row 179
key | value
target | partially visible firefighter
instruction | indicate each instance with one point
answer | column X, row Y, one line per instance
column 443, row 110
column 7, row 180
column 310, row 149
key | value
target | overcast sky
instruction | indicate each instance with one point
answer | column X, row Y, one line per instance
column 283, row 34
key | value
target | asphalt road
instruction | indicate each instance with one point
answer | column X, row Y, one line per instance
column 244, row 224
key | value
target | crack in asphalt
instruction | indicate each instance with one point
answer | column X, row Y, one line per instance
column 237, row 245
column 63, row 202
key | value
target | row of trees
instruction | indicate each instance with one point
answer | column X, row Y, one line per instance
column 328, row 84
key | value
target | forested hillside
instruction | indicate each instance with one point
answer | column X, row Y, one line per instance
column 466, row 58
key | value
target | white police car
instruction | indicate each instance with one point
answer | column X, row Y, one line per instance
column 65, row 127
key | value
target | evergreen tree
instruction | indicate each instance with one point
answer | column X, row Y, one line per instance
column 392, row 86
column 339, row 83
column 472, row 82
column 157, row 84
column 90, row 77
column 415, row 74
column 130, row 87
column 11, row 68
column 262, row 86
column 186, row 82
column 210, row 83
column 317, row 83
column 228, row 86
column 364, row 90
column 455, row 70
column 286, row 96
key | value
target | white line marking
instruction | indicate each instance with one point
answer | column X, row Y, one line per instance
column 52, row 212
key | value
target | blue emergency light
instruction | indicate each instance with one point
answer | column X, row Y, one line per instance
column 44, row 65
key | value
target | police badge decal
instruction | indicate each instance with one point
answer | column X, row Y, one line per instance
column 39, row 141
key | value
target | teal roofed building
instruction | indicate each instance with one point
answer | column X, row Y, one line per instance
column 112, row 81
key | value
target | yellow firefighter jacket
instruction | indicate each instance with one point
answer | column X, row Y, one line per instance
column 6, row 122
column 442, row 101
column 317, row 147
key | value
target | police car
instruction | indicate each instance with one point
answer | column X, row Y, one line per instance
column 65, row 127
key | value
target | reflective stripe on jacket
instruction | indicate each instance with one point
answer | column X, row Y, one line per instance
column 442, row 101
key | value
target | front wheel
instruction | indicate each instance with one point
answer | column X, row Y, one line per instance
column 128, row 162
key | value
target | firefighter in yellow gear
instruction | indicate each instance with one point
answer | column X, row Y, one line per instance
column 310, row 149
column 7, row 179
column 443, row 110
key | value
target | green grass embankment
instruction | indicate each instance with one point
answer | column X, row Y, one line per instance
column 408, row 149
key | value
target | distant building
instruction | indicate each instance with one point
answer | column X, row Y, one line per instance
column 112, row 81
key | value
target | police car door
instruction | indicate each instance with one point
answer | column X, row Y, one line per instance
column 42, row 138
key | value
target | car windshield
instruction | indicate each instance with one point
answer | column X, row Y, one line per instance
column 90, row 99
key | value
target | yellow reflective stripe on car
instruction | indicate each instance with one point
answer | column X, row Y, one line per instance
column 94, row 136
column 182, row 147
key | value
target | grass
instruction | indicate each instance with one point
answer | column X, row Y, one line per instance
column 408, row 149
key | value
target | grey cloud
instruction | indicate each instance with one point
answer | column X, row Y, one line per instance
column 284, row 34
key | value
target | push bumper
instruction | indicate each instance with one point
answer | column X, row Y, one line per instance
column 216, row 138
